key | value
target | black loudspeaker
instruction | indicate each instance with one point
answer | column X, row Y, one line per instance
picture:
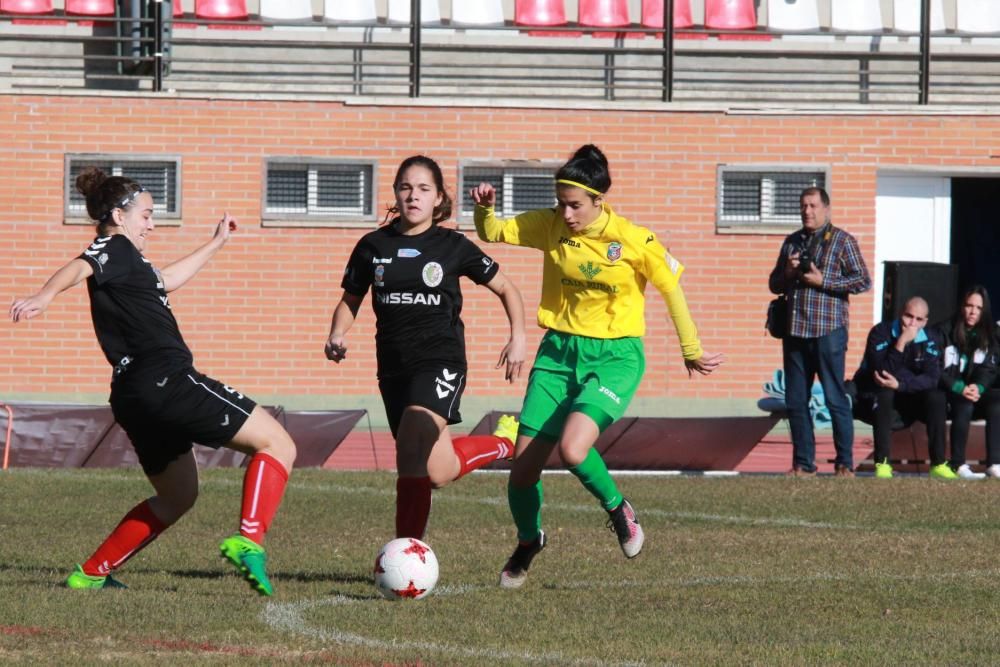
column 936, row 283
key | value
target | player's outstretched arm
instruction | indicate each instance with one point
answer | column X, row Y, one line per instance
column 343, row 318
column 71, row 274
column 512, row 354
column 181, row 271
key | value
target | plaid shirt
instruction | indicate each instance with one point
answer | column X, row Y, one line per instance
column 816, row 311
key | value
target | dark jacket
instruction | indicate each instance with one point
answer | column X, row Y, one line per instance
column 973, row 365
column 917, row 367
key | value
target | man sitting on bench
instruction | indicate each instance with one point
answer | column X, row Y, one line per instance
column 896, row 382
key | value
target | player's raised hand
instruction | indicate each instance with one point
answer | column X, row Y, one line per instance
column 25, row 309
column 484, row 194
column 225, row 227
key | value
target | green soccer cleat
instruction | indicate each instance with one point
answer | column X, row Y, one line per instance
column 250, row 559
column 943, row 471
column 80, row 580
column 507, row 427
column 883, row 470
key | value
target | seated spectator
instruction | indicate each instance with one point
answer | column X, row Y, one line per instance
column 897, row 382
column 970, row 370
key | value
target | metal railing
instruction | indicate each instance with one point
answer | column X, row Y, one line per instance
column 143, row 48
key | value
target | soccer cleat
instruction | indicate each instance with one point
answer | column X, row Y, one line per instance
column 942, row 471
column 507, row 427
column 883, row 470
column 515, row 572
column 623, row 522
column 993, row 470
column 80, row 580
column 250, row 559
column 965, row 472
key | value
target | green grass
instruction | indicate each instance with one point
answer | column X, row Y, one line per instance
column 744, row 571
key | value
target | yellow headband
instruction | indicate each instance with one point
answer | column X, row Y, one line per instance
column 581, row 186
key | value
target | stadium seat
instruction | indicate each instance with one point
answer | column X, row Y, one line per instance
column 603, row 14
column 793, row 15
column 91, row 7
column 652, row 17
column 540, row 12
column 477, row 12
column 856, row 16
column 231, row 10
column 978, row 16
column 732, row 15
column 26, row 6
column 286, row 10
column 349, row 10
column 906, row 15
column 399, row 11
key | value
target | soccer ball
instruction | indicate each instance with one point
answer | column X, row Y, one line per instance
column 405, row 568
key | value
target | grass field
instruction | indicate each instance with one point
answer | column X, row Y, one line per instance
column 747, row 570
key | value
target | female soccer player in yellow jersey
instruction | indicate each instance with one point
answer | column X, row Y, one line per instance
column 590, row 361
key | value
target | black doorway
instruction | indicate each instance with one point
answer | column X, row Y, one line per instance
column 975, row 233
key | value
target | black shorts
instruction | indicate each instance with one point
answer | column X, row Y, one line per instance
column 437, row 389
column 164, row 415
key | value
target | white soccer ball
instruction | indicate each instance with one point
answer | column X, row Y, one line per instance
column 405, row 568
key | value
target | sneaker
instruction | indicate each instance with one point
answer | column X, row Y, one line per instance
column 623, row 522
column 965, row 472
column 942, row 471
column 507, row 427
column 842, row 471
column 80, row 580
column 250, row 559
column 799, row 472
column 993, row 470
column 515, row 572
column 883, row 470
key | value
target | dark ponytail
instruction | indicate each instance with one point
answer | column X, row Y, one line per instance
column 588, row 167
column 104, row 194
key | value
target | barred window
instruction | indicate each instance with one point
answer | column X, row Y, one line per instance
column 158, row 174
column 519, row 187
column 751, row 198
column 318, row 191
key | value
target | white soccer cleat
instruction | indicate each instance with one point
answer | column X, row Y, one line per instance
column 965, row 472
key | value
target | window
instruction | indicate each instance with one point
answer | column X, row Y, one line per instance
column 302, row 193
column 160, row 175
column 761, row 198
column 521, row 186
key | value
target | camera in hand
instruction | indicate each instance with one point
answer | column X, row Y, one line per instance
column 805, row 261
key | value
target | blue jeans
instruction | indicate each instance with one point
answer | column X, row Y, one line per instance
column 804, row 359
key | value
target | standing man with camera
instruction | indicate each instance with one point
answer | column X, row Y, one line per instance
column 817, row 268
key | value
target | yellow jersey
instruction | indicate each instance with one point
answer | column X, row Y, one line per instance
column 593, row 281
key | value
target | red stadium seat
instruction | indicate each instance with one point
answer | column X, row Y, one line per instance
column 231, row 10
column 91, row 7
column 652, row 17
column 732, row 15
column 542, row 13
column 604, row 14
column 28, row 8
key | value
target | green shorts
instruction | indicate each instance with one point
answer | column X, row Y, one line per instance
column 595, row 376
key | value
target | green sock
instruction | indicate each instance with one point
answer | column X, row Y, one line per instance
column 593, row 473
column 526, row 508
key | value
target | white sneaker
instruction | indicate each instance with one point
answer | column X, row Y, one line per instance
column 965, row 472
column 993, row 470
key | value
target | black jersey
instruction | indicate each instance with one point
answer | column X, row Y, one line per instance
column 130, row 308
column 415, row 294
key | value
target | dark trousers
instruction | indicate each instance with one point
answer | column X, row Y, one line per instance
column 926, row 406
column 804, row 360
column 964, row 411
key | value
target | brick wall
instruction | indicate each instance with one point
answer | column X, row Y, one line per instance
column 258, row 314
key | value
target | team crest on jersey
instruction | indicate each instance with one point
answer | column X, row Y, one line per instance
column 102, row 259
column 407, row 252
column 432, row 274
column 380, row 276
column 614, row 251
column 589, row 270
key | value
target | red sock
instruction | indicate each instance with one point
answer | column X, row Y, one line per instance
column 263, row 486
column 137, row 529
column 413, row 506
column 475, row 451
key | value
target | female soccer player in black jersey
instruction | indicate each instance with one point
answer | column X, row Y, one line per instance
column 412, row 266
column 157, row 396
